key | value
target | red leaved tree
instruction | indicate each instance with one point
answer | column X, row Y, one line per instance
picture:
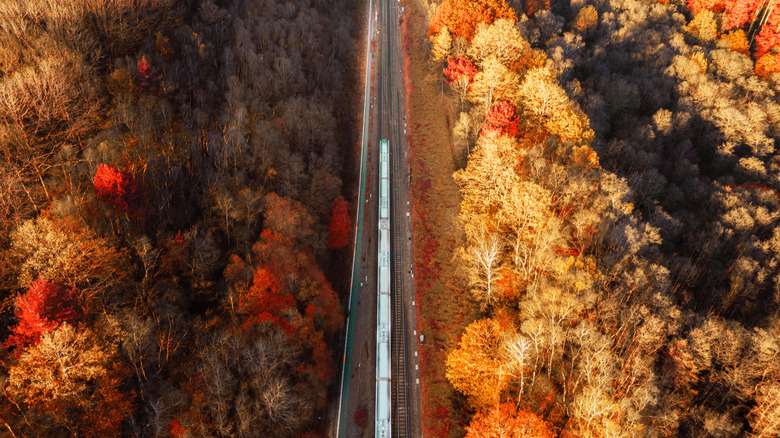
column 265, row 295
column 462, row 16
column 119, row 189
column 41, row 309
column 340, row 225
column 460, row 73
column 530, row 7
column 279, row 253
column 323, row 362
column 505, row 420
column 148, row 79
column 458, row 67
column 741, row 11
column 177, row 430
column 769, row 36
column 502, row 119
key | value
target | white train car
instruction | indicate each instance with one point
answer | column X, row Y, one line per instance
column 383, row 311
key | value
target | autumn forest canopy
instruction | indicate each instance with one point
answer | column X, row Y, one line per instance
column 171, row 213
column 176, row 198
column 620, row 216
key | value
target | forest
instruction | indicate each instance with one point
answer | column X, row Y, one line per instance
column 620, row 206
column 172, row 215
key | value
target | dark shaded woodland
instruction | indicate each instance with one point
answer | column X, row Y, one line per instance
column 693, row 131
column 168, row 171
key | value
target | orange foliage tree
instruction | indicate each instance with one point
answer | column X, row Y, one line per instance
column 738, row 41
column 530, row 7
column 289, row 290
column 697, row 6
column 476, row 368
column 42, row 308
column 289, row 217
column 107, row 406
column 339, row 225
column 767, row 64
column 505, row 421
column 462, row 16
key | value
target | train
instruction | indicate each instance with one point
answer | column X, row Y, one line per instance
column 383, row 407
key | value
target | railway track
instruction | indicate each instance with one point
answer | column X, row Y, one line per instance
column 395, row 413
column 392, row 413
column 399, row 382
column 390, row 102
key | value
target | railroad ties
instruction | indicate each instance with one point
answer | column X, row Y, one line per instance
column 399, row 366
column 399, row 324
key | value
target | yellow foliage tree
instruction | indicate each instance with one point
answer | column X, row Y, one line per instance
column 546, row 102
column 62, row 365
column 765, row 416
column 502, row 40
column 569, row 124
column 441, row 45
column 700, row 60
column 541, row 95
column 552, row 310
column 524, row 220
column 494, row 82
column 525, row 209
column 71, row 253
column 703, row 26
column 489, row 175
column 72, row 376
